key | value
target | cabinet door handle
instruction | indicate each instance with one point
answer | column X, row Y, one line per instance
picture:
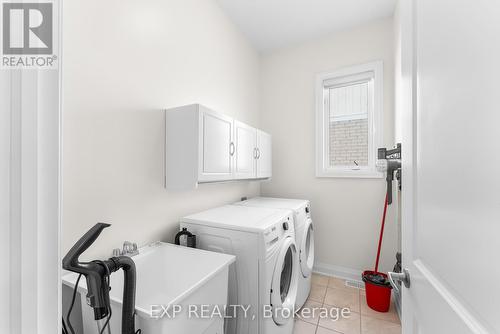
column 258, row 153
column 255, row 152
column 232, row 148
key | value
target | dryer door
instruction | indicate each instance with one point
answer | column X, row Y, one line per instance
column 306, row 256
column 284, row 283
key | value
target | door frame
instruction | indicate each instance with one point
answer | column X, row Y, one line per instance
column 408, row 105
column 31, row 203
column 30, row 196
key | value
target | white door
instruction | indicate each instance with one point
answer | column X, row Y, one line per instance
column 245, row 139
column 216, row 146
column 451, row 159
column 264, row 156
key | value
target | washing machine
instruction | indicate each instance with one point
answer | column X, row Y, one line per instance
column 265, row 274
column 304, row 237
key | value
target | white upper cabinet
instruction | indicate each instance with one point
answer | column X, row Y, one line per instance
column 205, row 146
column 245, row 140
column 263, row 155
column 216, row 147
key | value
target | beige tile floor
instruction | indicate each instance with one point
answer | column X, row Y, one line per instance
column 328, row 292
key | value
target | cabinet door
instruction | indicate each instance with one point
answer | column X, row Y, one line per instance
column 264, row 155
column 245, row 139
column 216, row 147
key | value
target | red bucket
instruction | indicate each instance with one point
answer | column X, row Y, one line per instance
column 378, row 291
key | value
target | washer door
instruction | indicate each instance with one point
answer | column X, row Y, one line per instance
column 307, row 249
column 284, row 283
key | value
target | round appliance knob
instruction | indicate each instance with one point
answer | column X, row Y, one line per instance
column 285, row 226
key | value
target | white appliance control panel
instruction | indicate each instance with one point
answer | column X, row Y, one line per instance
column 275, row 232
column 271, row 235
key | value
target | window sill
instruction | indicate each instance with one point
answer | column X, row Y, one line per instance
column 350, row 173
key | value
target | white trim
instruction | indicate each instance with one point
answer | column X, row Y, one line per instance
column 60, row 162
column 407, row 104
column 359, row 172
column 337, row 271
column 341, row 77
column 5, row 198
column 30, row 202
column 350, row 117
column 460, row 309
column 357, row 76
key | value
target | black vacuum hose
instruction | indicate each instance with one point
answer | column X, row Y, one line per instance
column 129, row 279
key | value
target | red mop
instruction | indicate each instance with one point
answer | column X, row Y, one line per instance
column 378, row 289
column 381, row 233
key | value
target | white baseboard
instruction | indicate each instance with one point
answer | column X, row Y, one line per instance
column 337, row 271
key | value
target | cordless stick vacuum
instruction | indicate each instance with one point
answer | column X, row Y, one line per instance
column 97, row 275
column 389, row 161
column 377, row 286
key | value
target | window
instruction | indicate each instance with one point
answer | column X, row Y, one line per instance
column 348, row 121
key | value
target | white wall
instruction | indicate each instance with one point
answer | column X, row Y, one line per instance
column 346, row 212
column 124, row 61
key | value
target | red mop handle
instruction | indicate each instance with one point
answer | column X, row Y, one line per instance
column 381, row 233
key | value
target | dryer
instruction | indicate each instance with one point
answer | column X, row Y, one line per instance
column 304, row 237
column 265, row 274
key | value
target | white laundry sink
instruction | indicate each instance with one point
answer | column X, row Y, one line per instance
column 168, row 275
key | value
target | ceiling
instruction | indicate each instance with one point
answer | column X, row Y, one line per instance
column 272, row 24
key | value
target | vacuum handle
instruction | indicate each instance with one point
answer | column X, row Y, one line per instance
column 70, row 261
column 389, row 190
column 382, row 153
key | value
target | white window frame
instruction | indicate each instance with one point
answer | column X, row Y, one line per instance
column 344, row 76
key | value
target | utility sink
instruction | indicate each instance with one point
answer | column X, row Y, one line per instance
column 170, row 279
